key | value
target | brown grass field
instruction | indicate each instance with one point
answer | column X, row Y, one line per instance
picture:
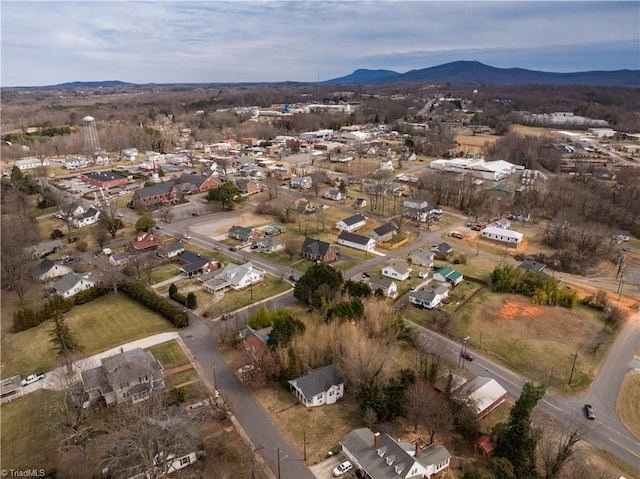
column 628, row 404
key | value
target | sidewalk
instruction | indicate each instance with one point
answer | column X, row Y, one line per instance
column 58, row 379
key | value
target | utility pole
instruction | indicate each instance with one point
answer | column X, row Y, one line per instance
column 575, row 358
column 278, row 462
column 304, row 442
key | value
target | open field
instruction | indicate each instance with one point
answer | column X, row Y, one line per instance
column 101, row 324
column 28, row 441
column 169, row 354
column 473, row 144
column 628, row 404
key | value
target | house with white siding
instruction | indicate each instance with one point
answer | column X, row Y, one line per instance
column 507, row 237
column 399, row 270
column 324, row 385
column 356, row 241
column 352, row 223
column 72, row 283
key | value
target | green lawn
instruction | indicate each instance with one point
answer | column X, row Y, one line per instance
column 180, row 378
column 164, row 272
column 170, row 354
column 102, row 324
column 234, row 300
column 27, row 439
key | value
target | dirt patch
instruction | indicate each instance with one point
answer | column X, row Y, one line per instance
column 517, row 310
column 474, row 144
column 220, row 226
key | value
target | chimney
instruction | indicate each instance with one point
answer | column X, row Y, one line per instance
column 417, row 448
column 376, row 439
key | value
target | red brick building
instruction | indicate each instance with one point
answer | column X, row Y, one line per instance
column 104, row 179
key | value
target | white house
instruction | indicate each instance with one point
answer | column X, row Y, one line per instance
column 386, row 165
column 388, row 287
column 352, row 223
column 417, row 209
column 47, row 270
column 384, row 232
column 71, row 284
column 429, row 299
column 234, row 276
column 334, row 194
column 73, row 162
column 382, row 457
column 484, row 394
column 397, row 270
column 509, row 237
column 30, row 163
column 353, row 240
column 448, row 275
column 324, row 385
column 422, row 258
column 89, row 217
column 301, row 182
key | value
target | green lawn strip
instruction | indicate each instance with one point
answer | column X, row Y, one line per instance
column 234, row 300
column 180, row 378
column 164, row 272
column 101, row 324
column 27, row 440
column 170, row 354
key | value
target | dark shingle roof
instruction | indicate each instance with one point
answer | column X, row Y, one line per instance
column 385, row 229
column 317, row 247
column 318, row 380
column 156, row 190
column 353, row 238
column 352, row 220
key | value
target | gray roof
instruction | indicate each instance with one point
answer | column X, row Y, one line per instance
column 360, row 444
column 352, row 220
column 195, row 180
column 318, row 248
column 399, row 266
column 318, row 380
column 385, row 229
column 377, row 282
column 353, row 238
column 69, row 280
column 44, row 266
column 424, row 254
column 423, row 295
column 529, row 265
column 176, row 246
column 131, row 365
column 96, row 378
column 156, row 190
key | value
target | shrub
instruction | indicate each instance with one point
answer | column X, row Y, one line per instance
column 90, row 294
column 82, row 246
column 26, row 318
column 158, row 304
column 55, row 234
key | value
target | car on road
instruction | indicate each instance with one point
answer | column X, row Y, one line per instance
column 232, row 248
column 158, row 227
column 342, row 469
column 32, row 378
column 217, row 248
column 468, row 356
column 293, row 278
column 366, row 274
column 186, row 236
column 588, row 410
column 226, row 316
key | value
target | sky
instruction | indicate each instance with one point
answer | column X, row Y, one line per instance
column 52, row 42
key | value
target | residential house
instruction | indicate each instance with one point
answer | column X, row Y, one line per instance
column 324, row 385
column 352, row 223
column 422, row 258
column 43, row 249
column 621, row 235
column 388, row 287
column 10, row 388
column 88, row 218
column 47, row 270
column 356, row 241
column 73, row 162
column 104, row 179
column 157, row 195
column 73, row 209
column 334, row 194
column 192, row 184
column 301, row 182
column 273, row 230
column 528, row 265
column 360, row 203
column 317, row 250
column 194, row 264
column 386, row 165
column 484, row 395
column 234, row 276
column 304, row 206
column 281, row 174
column 269, row 244
column 31, row 163
column 174, row 444
column 247, row 186
column 416, row 209
column 430, row 298
column 502, row 223
column 125, row 378
column 384, row 232
column 72, row 283
column 245, row 234
column 129, row 154
column 399, row 270
column 442, row 251
column 380, row 456
column 144, row 240
column 507, row 237
column 174, row 249
column 448, row 275
column 120, row 259
column 449, row 382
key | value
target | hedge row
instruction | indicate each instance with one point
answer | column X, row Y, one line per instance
column 158, row 304
column 27, row 318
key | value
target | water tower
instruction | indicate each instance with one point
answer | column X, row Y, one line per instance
column 91, row 141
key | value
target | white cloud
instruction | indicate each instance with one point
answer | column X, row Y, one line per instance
column 178, row 41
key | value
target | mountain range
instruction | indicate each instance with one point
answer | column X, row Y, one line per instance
column 476, row 73
column 459, row 72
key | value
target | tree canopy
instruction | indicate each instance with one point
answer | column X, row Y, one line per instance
column 321, row 281
column 227, row 194
column 145, row 222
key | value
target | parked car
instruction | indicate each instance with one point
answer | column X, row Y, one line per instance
column 588, row 410
column 119, row 214
column 32, row 378
column 186, row 236
column 158, row 227
column 456, row 235
column 468, row 356
column 293, row 278
column 422, row 274
column 226, row 316
column 232, row 248
column 342, row 469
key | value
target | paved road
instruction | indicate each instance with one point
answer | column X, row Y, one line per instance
column 266, row 437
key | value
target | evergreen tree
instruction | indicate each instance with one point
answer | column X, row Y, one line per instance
column 320, row 281
column 64, row 341
column 517, row 441
column 145, row 222
column 192, row 301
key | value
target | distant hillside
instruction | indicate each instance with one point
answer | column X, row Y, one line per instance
column 91, row 84
column 476, row 73
column 364, row 76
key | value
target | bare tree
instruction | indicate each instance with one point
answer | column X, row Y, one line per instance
column 16, row 234
column 415, row 405
column 557, row 450
column 100, row 234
